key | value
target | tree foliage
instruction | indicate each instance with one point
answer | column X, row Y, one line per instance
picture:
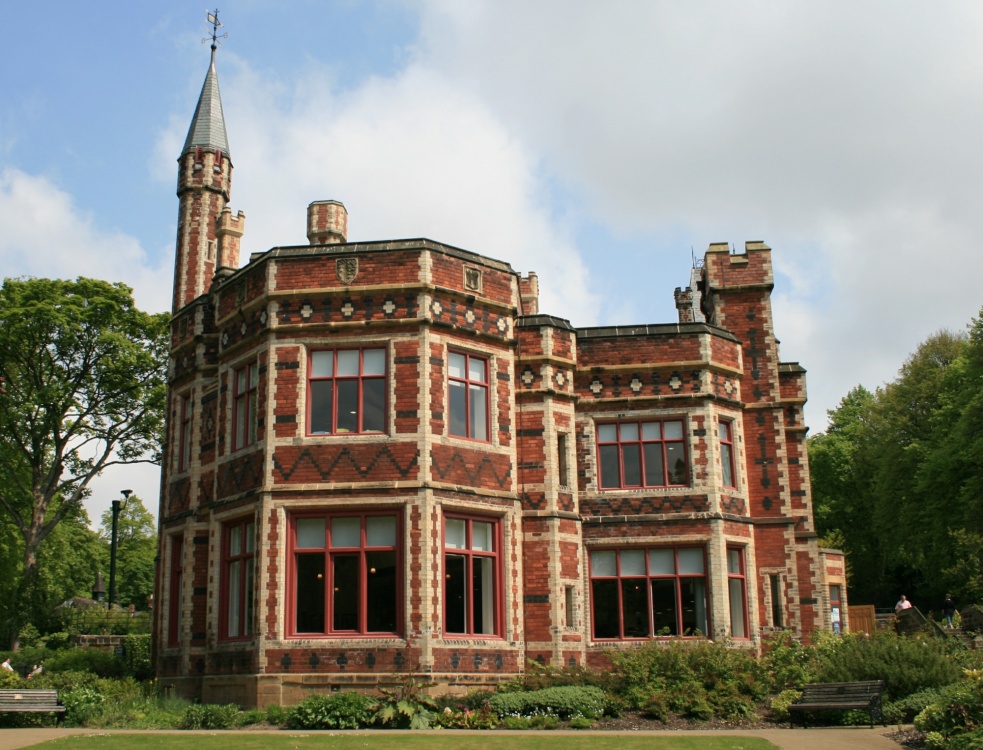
column 83, row 388
column 898, row 477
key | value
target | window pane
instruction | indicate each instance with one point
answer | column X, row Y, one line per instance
column 676, row 459
column 727, row 464
column 481, row 536
column 455, row 365
column 690, row 560
column 635, row 605
column 736, row 587
column 250, row 537
column 629, row 431
column 234, row 599
column 247, row 628
column 610, row 470
column 674, row 430
column 310, row 593
column 606, row 612
column 734, row 561
column 322, row 393
column 725, row 431
column 479, row 412
column 604, row 563
column 374, row 362
column 322, row 364
column 373, row 405
column 348, row 362
column 345, row 598
column 654, row 466
column 346, row 532
column 310, row 533
column 235, row 540
column 456, row 601
column 455, row 533
column 632, row 456
column 380, row 531
column 607, row 433
column 633, row 562
column 477, row 370
column 662, row 562
column 347, row 405
column 483, row 586
column 240, row 438
column 241, row 380
column 380, row 595
column 253, row 375
column 457, row 394
column 665, row 618
column 651, row 431
column 694, row 600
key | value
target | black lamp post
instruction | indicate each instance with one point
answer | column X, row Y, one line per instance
column 117, row 506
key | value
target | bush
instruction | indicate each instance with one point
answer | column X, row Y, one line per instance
column 345, row 710
column 787, row 662
column 957, row 712
column 136, row 649
column 211, row 716
column 905, row 710
column 465, row 718
column 781, row 702
column 277, row 715
column 101, row 663
column 406, row 706
column 562, row 702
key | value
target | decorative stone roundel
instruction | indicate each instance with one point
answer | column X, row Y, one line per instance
column 225, row 338
column 347, row 309
column 243, row 328
column 635, row 384
column 560, row 378
column 528, row 377
column 469, row 316
column 389, row 307
column 729, row 387
column 675, row 383
column 596, row 386
column 503, row 324
column 437, row 308
column 306, row 311
column 263, row 317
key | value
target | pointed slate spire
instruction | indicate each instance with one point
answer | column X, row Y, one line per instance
column 208, row 125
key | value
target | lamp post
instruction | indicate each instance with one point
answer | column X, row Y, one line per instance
column 117, row 506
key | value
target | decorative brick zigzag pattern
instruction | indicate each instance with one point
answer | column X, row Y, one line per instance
column 348, row 459
column 473, row 475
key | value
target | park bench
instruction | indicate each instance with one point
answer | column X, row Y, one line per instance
column 30, row 701
column 840, row 696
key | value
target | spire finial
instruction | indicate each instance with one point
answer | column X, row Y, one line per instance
column 215, row 36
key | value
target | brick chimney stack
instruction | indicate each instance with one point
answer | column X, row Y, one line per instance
column 327, row 223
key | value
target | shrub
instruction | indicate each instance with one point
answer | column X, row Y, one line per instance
column 406, row 706
column 562, row 702
column 101, row 663
column 581, row 722
column 905, row 710
column 211, row 716
column 136, row 649
column 81, row 704
column 781, row 702
column 464, row 718
column 345, row 710
column 277, row 715
column 787, row 662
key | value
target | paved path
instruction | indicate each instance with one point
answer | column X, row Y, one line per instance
column 828, row 738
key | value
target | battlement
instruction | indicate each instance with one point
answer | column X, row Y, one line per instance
column 727, row 271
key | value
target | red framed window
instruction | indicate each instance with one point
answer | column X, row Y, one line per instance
column 345, row 574
column 472, row 591
column 737, row 593
column 238, row 573
column 726, row 432
column 467, row 396
column 245, row 381
column 642, row 454
column 643, row 593
column 184, row 435
column 174, row 592
column 347, row 391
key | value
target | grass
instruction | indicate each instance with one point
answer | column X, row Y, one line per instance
column 449, row 740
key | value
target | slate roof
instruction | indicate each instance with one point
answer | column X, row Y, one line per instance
column 208, row 125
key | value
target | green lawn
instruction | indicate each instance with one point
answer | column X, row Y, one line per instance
column 405, row 741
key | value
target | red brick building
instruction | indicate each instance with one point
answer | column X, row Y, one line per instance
column 383, row 460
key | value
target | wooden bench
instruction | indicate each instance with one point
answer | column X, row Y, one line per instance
column 30, row 701
column 840, row 696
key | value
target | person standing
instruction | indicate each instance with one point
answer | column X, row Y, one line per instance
column 902, row 604
column 949, row 610
column 6, row 665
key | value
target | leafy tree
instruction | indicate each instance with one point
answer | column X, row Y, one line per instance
column 136, row 547
column 83, row 376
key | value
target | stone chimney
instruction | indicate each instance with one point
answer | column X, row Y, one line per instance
column 327, row 223
column 684, row 305
column 228, row 232
column 529, row 294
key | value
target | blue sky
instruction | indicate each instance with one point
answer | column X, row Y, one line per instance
column 598, row 144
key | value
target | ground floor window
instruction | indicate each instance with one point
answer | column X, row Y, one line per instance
column 345, row 574
column 238, row 567
column 471, row 575
column 642, row 593
column 174, row 592
column 737, row 592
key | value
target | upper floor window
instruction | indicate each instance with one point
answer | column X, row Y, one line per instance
column 467, row 397
column 640, row 593
column 347, row 391
column 727, row 452
column 184, row 436
column 245, row 401
column 642, row 454
column 345, row 575
column 238, row 570
column 471, row 577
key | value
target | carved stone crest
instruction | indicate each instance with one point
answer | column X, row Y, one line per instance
column 472, row 279
column 347, row 269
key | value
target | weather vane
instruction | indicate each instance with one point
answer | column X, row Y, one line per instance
column 215, row 36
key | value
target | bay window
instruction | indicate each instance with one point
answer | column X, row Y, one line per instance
column 471, row 576
column 642, row 454
column 345, row 574
column 643, row 593
column 347, row 391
